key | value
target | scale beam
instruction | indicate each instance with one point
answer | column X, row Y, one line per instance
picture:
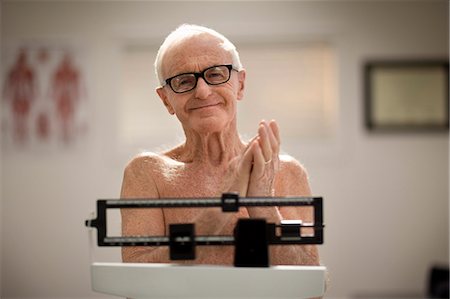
column 182, row 239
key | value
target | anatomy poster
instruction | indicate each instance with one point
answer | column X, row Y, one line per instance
column 44, row 97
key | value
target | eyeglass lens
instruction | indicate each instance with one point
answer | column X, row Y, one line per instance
column 213, row 75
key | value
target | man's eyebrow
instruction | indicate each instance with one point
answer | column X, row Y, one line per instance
column 194, row 72
column 184, row 70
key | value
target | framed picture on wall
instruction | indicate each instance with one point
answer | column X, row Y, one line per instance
column 407, row 95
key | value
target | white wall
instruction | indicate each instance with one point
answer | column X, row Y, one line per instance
column 386, row 195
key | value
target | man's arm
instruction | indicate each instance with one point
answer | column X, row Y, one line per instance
column 275, row 175
column 139, row 183
column 293, row 181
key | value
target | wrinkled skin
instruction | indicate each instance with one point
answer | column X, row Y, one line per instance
column 212, row 160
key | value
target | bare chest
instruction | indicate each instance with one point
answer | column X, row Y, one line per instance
column 196, row 184
column 189, row 183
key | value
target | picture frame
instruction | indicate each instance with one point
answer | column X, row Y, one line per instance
column 406, row 95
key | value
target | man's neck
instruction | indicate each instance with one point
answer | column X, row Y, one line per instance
column 213, row 148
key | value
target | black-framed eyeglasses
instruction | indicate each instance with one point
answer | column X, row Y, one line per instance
column 213, row 75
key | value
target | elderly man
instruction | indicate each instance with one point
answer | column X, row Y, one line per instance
column 202, row 81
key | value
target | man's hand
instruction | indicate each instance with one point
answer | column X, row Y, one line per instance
column 265, row 157
column 239, row 171
column 253, row 172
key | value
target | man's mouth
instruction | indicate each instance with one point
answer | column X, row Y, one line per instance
column 204, row 106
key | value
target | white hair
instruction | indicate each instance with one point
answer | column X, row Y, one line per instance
column 186, row 31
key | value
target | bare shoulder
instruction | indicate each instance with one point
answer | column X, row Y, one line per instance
column 292, row 178
column 144, row 164
column 291, row 167
column 139, row 178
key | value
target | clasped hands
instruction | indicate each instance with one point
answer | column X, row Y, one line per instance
column 253, row 171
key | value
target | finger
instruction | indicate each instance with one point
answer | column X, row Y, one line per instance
column 258, row 161
column 242, row 166
column 251, row 140
column 275, row 129
column 246, row 160
column 274, row 142
column 264, row 141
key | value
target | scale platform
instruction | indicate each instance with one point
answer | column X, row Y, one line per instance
column 157, row 281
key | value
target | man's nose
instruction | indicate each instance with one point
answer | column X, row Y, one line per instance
column 203, row 89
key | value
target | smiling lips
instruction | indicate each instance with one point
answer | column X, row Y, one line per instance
column 204, row 106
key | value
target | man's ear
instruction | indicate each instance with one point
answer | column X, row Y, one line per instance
column 163, row 96
column 241, row 88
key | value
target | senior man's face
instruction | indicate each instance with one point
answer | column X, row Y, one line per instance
column 206, row 108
